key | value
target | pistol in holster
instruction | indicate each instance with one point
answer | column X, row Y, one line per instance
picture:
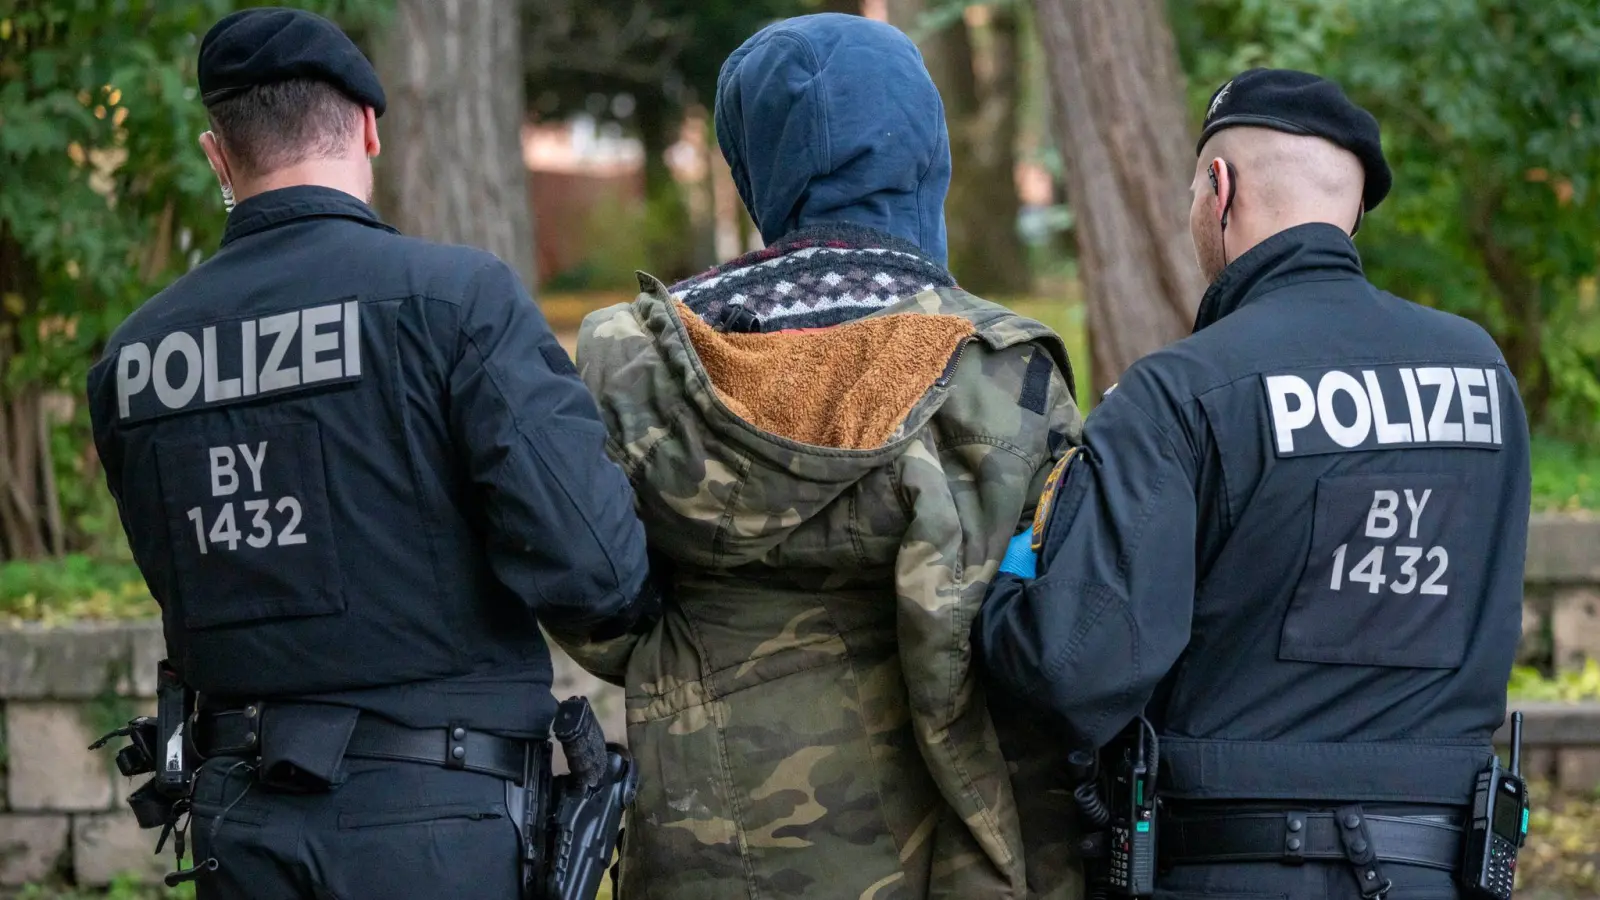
column 572, row 823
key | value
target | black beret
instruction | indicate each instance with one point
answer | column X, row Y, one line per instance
column 1301, row 103
column 269, row 44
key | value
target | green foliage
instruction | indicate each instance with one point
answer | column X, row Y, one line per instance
column 1492, row 126
column 124, row 887
column 1527, row 683
column 1562, row 858
column 72, row 588
column 1566, row 475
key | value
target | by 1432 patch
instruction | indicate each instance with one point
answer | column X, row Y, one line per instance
column 1389, row 580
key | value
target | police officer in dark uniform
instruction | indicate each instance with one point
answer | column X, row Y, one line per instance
column 1294, row 539
column 355, row 468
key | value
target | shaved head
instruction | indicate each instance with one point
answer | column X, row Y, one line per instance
column 1283, row 180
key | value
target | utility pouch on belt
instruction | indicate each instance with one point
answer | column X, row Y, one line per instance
column 303, row 746
column 582, row 821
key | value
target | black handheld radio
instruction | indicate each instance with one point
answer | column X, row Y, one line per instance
column 1499, row 825
column 1133, row 815
column 1116, row 792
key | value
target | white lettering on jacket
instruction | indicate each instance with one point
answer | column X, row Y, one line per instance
column 1384, row 407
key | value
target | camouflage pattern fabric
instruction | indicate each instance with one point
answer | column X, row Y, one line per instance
column 806, row 716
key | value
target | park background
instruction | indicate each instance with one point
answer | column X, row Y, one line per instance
column 573, row 138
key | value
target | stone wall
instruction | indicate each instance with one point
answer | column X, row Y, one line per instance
column 1561, row 630
column 63, row 813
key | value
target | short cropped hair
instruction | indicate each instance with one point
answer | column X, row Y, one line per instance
column 272, row 126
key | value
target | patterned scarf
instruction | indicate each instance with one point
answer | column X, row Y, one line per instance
column 812, row 278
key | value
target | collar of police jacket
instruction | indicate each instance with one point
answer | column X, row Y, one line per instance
column 296, row 203
column 1312, row 252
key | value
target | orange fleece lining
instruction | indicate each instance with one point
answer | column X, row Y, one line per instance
column 848, row 387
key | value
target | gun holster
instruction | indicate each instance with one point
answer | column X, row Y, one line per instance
column 163, row 745
column 159, row 744
column 573, row 822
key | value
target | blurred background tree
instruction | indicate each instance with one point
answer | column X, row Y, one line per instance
column 1125, row 140
column 452, row 167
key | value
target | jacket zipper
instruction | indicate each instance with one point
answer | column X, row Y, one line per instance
column 955, row 360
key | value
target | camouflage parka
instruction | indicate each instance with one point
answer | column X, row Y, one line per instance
column 807, row 715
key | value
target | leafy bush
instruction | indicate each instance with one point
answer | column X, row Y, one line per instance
column 74, row 587
column 1562, row 858
column 1566, row 476
column 124, row 888
column 1527, row 683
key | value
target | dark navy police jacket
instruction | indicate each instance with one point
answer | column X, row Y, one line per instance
column 355, row 466
column 1297, row 535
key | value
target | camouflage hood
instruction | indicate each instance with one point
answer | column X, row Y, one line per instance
column 806, row 715
column 792, row 420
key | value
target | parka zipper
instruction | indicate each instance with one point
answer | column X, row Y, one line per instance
column 955, row 360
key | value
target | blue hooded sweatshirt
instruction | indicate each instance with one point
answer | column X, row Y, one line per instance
column 832, row 118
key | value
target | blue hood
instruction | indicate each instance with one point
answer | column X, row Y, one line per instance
column 833, row 118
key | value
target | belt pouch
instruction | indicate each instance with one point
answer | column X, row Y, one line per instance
column 303, row 744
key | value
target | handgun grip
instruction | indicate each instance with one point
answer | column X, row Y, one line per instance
column 582, row 740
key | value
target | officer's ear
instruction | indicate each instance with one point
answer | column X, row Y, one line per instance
column 369, row 132
column 1224, row 184
column 219, row 163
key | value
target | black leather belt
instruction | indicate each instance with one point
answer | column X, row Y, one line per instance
column 1295, row 837
column 238, row 732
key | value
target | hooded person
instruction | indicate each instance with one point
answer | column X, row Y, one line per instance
column 832, row 445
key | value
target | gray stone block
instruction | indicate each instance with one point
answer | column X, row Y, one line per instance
column 149, row 647
column 82, row 660
column 1575, row 626
column 1563, row 548
column 4, row 804
column 108, row 845
column 49, row 765
column 1534, row 647
column 1578, row 770
column 31, row 847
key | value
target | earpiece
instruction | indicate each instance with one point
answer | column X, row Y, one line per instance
column 1214, row 173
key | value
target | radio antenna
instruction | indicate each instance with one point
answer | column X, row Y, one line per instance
column 1516, row 744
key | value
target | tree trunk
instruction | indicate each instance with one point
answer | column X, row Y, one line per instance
column 29, row 522
column 1125, row 142
column 905, row 14
column 1521, row 298
column 669, row 237
column 986, row 252
column 453, row 170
